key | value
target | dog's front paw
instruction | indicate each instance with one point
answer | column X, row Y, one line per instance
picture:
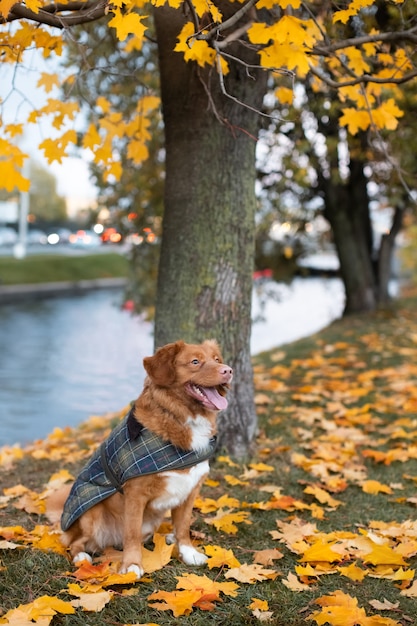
column 191, row 556
column 82, row 556
column 137, row 569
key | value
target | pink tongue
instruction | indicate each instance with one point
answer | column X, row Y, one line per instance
column 215, row 398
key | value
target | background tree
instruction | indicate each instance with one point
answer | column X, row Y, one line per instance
column 46, row 205
column 212, row 88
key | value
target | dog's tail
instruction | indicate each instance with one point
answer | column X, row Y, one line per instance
column 55, row 503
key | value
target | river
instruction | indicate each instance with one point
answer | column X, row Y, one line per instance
column 64, row 359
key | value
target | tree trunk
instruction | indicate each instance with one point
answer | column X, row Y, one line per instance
column 386, row 251
column 347, row 210
column 206, row 263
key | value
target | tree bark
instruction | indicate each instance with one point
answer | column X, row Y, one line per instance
column 347, row 210
column 385, row 258
column 207, row 249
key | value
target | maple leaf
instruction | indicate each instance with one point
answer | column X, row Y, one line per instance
column 48, row 81
column 340, row 609
column 251, row 573
column 410, row 592
column 355, row 120
column 267, row 557
column 206, row 585
column 322, row 496
column 128, row 24
column 226, row 520
column 384, row 606
column 6, row 6
column 294, row 584
column 374, row 487
column 321, row 551
column 387, row 114
column 220, row 557
column 353, row 572
column 179, row 602
column 159, row 557
column 89, row 600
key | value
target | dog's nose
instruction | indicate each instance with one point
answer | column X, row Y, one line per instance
column 226, row 371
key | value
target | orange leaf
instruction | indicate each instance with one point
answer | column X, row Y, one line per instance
column 179, row 602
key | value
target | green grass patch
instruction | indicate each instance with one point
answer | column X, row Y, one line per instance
column 56, row 268
column 337, row 416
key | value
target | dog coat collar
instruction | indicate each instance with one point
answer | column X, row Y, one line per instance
column 131, row 450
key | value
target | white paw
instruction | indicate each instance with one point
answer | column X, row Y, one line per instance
column 82, row 556
column 139, row 571
column 170, row 538
column 191, row 556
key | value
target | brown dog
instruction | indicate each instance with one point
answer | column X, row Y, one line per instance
column 154, row 461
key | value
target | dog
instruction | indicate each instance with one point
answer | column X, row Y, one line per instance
column 154, row 461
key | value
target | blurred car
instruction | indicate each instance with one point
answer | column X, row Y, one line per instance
column 36, row 236
column 85, row 238
column 8, row 236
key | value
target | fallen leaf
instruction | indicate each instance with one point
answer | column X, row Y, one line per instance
column 294, row 584
column 267, row 557
column 251, row 573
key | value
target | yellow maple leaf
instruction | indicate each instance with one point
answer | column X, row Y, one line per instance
column 48, row 605
column 322, row 496
column 220, row 557
column 226, row 520
column 386, row 115
column 251, row 573
column 128, row 24
column 321, row 551
column 353, row 572
column 159, row 557
column 48, row 81
column 374, row 487
column 137, row 151
column 383, row 555
column 55, row 149
column 256, row 603
column 6, row 6
column 355, row 120
column 206, row 585
column 194, row 50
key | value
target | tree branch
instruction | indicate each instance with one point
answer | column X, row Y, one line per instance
column 52, row 15
column 402, row 35
column 365, row 78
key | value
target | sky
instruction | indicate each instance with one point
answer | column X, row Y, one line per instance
column 19, row 94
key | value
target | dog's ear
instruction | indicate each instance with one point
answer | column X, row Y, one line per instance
column 161, row 366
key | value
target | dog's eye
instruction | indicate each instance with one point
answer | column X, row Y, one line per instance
column 195, row 362
column 216, row 358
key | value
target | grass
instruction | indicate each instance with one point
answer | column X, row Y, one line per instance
column 335, row 410
column 55, row 268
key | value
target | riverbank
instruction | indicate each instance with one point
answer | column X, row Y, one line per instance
column 10, row 294
column 316, row 527
column 54, row 275
column 54, row 268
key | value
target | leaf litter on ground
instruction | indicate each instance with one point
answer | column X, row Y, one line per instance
column 318, row 527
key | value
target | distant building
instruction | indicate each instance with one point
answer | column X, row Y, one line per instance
column 9, row 212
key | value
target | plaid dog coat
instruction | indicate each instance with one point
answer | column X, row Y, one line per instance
column 131, row 450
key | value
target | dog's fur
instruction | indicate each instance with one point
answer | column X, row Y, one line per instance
column 172, row 405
